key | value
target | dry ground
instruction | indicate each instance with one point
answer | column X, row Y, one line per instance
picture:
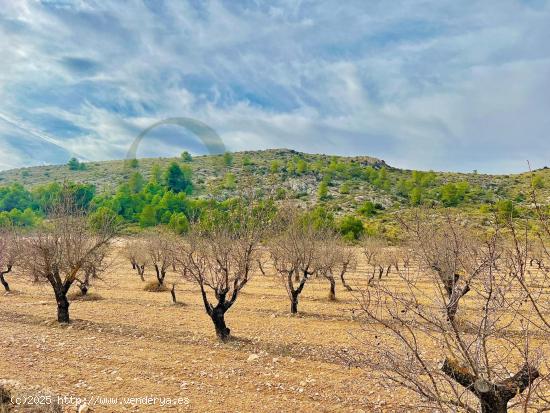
column 134, row 343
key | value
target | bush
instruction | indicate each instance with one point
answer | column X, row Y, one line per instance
column 133, row 163
column 179, row 223
column 506, row 210
column 154, row 287
column 75, row 165
column 178, row 178
column 77, row 295
column 247, row 161
column 344, row 188
column 322, row 192
column 228, row 159
column 229, row 181
column 351, row 228
column 367, row 209
column 538, row 182
column 274, row 167
column 186, row 157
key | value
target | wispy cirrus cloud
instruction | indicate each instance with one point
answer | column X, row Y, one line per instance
column 422, row 84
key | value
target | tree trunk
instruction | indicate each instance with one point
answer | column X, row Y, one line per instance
column 83, row 289
column 344, row 283
column 493, row 397
column 141, row 271
column 332, row 293
column 371, row 279
column 160, row 275
column 62, row 308
column 218, row 318
column 494, row 406
column 173, row 293
column 134, row 266
column 4, row 282
column 294, row 303
column 261, row 267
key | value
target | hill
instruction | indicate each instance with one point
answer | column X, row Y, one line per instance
column 342, row 183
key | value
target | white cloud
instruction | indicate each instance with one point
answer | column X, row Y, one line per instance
column 422, row 84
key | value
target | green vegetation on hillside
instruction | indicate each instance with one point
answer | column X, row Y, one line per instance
column 356, row 195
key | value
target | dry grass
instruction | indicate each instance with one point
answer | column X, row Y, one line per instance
column 133, row 343
column 77, row 296
column 155, row 287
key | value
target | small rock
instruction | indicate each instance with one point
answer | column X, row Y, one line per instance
column 83, row 408
column 252, row 357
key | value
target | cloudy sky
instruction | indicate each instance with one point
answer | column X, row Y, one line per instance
column 425, row 84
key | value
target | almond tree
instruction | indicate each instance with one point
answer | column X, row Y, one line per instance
column 373, row 250
column 93, row 269
column 159, row 251
column 66, row 244
column 220, row 256
column 449, row 250
column 10, row 251
column 336, row 260
column 483, row 355
column 297, row 254
column 348, row 262
column 135, row 252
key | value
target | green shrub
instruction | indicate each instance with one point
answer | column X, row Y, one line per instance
column 75, row 165
column 179, row 223
column 351, row 228
column 186, row 157
column 367, row 209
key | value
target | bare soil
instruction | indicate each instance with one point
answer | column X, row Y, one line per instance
column 133, row 343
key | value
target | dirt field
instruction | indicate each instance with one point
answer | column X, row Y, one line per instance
column 134, row 343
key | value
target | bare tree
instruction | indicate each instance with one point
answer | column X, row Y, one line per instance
column 538, row 257
column 348, row 262
column 450, row 251
column 159, row 248
column 136, row 253
column 336, row 259
column 480, row 356
column 219, row 256
column 297, row 254
column 376, row 256
column 63, row 247
column 10, row 251
column 93, row 269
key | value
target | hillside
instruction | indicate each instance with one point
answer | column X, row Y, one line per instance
column 287, row 174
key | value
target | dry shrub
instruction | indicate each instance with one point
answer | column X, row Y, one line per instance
column 154, row 287
column 78, row 296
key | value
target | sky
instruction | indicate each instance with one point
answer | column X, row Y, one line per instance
column 423, row 84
